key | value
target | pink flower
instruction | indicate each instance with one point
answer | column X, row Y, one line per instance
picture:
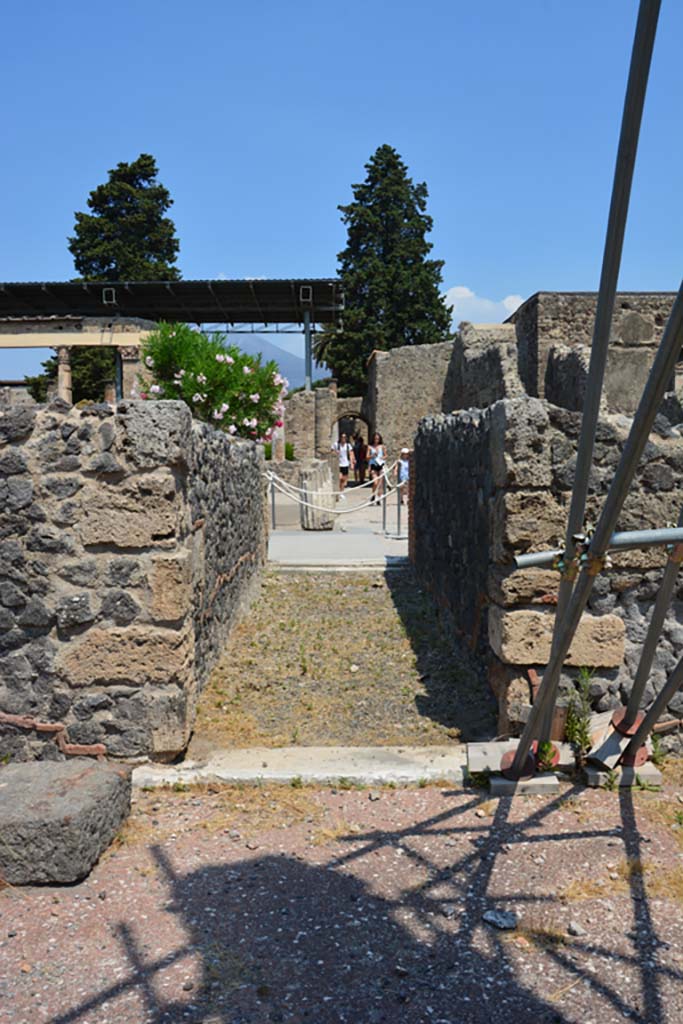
column 279, row 423
column 232, row 429
column 143, row 394
column 217, row 414
column 255, row 398
column 229, row 360
column 220, row 358
column 246, row 369
column 155, row 389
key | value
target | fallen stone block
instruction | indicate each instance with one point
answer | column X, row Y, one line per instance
column 57, row 818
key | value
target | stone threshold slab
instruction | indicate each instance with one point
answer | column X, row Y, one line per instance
column 365, row 566
column 647, row 775
column 358, row 765
column 482, row 757
column 544, row 785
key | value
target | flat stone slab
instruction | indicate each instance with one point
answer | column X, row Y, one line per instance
column 486, row 757
column 647, row 773
column 359, row 765
column 545, row 785
column 57, row 817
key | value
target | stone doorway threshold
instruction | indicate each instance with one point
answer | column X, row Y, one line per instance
column 355, row 765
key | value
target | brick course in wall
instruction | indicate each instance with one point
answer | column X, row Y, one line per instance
column 129, row 539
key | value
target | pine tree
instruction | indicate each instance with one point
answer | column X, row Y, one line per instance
column 126, row 237
column 392, row 291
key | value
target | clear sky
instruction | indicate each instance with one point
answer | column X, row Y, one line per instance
column 262, row 114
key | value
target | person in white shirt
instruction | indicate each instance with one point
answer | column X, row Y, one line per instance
column 377, row 457
column 346, row 462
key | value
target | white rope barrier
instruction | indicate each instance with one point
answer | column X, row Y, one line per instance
column 304, row 490
column 274, row 481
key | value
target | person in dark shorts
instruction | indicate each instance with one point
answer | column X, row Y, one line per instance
column 346, row 462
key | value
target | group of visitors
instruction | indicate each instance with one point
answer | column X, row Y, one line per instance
column 360, row 457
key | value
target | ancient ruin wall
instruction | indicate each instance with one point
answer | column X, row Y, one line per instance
column 493, row 483
column 128, row 540
column 567, row 318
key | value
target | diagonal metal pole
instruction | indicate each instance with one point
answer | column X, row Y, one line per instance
column 653, row 633
column 672, row 685
column 660, row 374
column 641, row 57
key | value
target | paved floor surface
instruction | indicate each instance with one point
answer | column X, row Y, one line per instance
column 357, row 536
column 327, row 906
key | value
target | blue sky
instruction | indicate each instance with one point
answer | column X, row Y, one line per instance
column 261, row 116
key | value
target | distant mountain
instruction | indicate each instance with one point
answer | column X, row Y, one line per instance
column 292, row 367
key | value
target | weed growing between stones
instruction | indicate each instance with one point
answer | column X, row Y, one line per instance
column 577, row 729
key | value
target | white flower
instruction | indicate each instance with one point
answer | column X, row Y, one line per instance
column 246, row 422
column 253, row 423
column 278, row 379
column 217, row 414
column 155, row 389
column 149, row 362
column 224, row 407
column 246, row 369
column 255, row 397
column 201, row 379
column 229, row 360
column 197, row 397
column 232, row 429
column 220, row 357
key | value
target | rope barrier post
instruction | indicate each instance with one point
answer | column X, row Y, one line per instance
column 383, row 499
column 399, row 495
column 272, row 501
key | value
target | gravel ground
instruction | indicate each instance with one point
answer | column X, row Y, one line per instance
column 334, row 659
column 251, row 905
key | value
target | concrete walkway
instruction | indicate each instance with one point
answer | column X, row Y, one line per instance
column 358, row 765
column 357, row 540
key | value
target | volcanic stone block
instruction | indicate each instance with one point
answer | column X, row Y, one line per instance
column 523, row 586
column 523, row 637
column 520, row 449
column 155, row 433
column 131, row 517
column 133, row 656
column 525, row 521
column 170, row 581
column 56, row 818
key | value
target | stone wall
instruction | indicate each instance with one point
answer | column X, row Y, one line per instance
column 482, row 367
column 128, row 539
column 310, row 417
column 404, row 385
column 566, row 318
column 493, row 483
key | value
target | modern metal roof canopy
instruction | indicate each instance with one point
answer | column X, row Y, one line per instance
column 256, row 301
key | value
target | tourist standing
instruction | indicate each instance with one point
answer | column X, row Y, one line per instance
column 360, row 452
column 346, row 461
column 403, row 473
column 377, row 457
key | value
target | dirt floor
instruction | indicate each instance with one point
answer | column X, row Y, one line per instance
column 353, row 659
column 252, row 905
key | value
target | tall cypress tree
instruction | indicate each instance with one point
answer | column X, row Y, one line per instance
column 126, row 237
column 392, row 290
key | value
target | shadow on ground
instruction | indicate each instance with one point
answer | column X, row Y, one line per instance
column 458, row 695
column 282, row 940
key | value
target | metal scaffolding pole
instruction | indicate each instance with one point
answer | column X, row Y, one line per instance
column 627, row 540
column 641, row 57
column 653, row 633
column 672, row 685
column 660, row 374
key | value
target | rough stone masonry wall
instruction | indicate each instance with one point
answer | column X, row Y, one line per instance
column 493, row 483
column 549, row 319
column 128, row 539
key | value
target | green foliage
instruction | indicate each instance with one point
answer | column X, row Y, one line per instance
column 658, row 755
column 91, row 369
column 297, row 782
column 392, row 290
column 126, row 237
column 645, row 786
column 289, row 451
column 222, row 386
column 544, row 755
column 577, row 729
column 611, row 780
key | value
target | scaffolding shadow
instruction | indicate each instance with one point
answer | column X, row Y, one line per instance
column 276, row 939
column 457, row 693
